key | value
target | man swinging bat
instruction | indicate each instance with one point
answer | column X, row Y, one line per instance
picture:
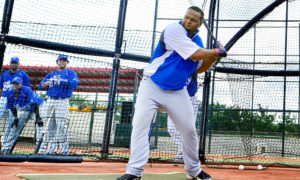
column 178, row 54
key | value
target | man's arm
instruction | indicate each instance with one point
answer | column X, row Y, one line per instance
column 1, row 90
column 26, row 80
column 72, row 80
column 16, row 120
column 209, row 59
column 38, row 119
column 209, row 56
column 44, row 85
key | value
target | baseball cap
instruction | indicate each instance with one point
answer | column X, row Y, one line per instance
column 14, row 59
column 18, row 80
column 62, row 56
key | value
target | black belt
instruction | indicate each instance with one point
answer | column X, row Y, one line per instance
column 56, row 98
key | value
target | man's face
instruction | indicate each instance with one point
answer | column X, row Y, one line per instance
column 16, row 86
column 14, row 66
column 62, row 64
column 192, row 20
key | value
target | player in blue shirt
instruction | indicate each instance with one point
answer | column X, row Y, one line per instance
column 20, row 99
column 178, row 54
column 60, row 86
column 6, row 84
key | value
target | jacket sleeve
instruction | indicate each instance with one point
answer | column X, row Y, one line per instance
column 72, row 79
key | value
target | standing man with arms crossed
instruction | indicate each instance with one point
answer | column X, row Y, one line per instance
column 60, row 85
column 22, row 100
column 6, row 85
column 192, row 89
column 176, row 57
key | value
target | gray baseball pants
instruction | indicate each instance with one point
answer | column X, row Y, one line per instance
column 179, row 107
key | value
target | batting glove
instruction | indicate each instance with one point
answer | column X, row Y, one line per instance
column 50, row 82
column 220, row 50
column 39, row 121
column 15, row 123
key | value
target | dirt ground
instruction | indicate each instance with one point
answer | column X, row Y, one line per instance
column 8, row 171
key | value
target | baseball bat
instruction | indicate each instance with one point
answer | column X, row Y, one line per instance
column 194, row 3
column 44, row 132
column 152, row 127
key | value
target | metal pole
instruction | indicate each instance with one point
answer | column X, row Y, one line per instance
column 213, row 85
column 205, row 96
column 284, row 83
column 114, row 79
column 154, row 28
column 92, row 119
column 211, row 110
column 7, row 12
column 252, row 100
column 299, row 88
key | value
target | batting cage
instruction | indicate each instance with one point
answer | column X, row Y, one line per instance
column 82, row 62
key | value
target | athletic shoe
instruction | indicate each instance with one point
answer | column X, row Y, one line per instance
column 129, row 177
column 51, row 154
column 201, row 175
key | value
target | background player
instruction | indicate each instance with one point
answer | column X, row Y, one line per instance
column 6, row 84
column 178, row 54
column 192, row 88
column 23, row 100
column 60, row 85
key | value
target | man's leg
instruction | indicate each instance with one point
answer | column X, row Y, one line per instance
column 40, row 131
column 23, row 118
column 47, row 115
column 180, row 110
column 8, row 135
column 3, row 102
column 10, row 119
column 176, row 137
column 61, row 117
column 145, row 107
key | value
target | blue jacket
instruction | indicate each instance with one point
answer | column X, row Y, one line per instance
column 67, row 85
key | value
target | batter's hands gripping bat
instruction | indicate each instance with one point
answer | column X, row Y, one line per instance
column 44, row 132
column 218, row 47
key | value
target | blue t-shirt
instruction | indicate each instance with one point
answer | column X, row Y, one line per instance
column 69, row 81
column 170, row 66
column 23, row 102
column 192, row 86
column 7, row 77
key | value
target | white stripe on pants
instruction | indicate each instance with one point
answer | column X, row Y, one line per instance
column 172, row 129
column 179, row 107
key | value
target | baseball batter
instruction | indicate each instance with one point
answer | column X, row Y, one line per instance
column 60, row 85
column 178, row 54
column 6, row 85
column 20, row 99
column 192, row 88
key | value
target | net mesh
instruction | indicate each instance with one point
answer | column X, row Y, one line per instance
column 235, row 130
column 255, row 107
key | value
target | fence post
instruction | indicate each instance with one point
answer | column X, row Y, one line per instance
column 114, row 79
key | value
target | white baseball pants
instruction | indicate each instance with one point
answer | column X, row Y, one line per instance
column 175, row 133
column 57, row 128
column 179, row 107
